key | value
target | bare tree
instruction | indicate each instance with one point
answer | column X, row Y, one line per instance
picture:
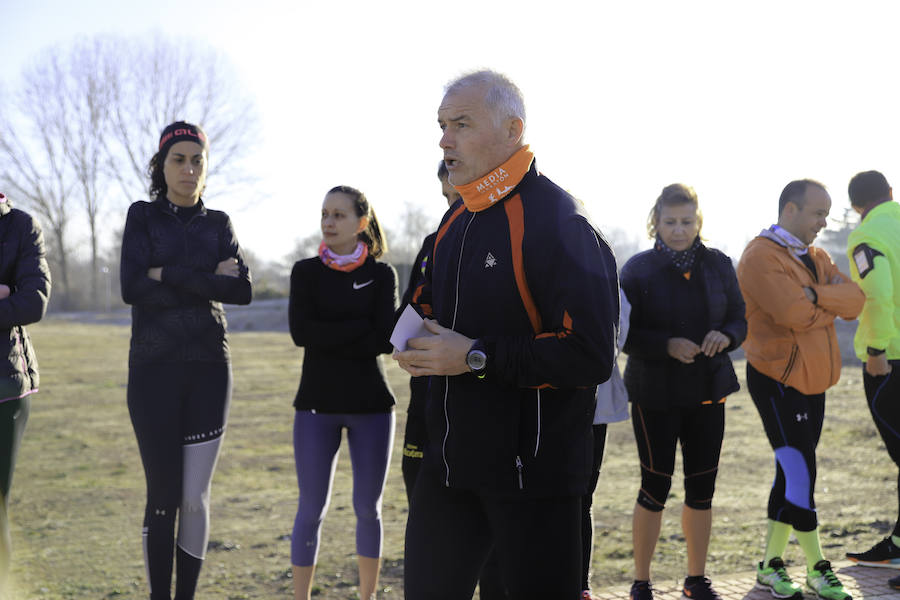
column 404, row 241
column 190, row 82
column 88, row 118
column 34, row 165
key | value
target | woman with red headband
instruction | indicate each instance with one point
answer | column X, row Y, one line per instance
column 341, row 311
column 180, row 261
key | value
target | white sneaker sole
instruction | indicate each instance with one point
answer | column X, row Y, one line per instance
column 775, row 594
column 894, row 563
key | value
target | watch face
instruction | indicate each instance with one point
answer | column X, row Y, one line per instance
column 476, row 359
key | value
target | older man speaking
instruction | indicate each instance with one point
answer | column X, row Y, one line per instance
column 521, row 297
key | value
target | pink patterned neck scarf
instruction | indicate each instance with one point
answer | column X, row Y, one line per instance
column 343, row 262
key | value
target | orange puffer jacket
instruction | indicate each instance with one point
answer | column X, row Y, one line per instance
column 789, row 338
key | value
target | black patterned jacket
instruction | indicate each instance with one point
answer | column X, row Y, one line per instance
column 180, row 318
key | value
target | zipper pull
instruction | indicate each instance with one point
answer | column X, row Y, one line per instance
column 519, row 469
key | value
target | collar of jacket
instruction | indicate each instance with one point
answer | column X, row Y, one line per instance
column 485, row 191
column 163, row 204
column 874, row 207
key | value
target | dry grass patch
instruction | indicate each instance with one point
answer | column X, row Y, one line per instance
column 78, row 493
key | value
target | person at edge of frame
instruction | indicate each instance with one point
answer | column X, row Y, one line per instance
column 874, row 252
column 24, row 294
column 612, row 407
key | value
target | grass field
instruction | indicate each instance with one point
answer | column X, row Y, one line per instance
column 78, row 493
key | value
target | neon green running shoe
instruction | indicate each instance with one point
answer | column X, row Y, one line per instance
column 824, row 582
column 777, row 580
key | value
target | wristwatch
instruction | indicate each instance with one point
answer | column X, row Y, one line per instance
column 476, row 359
column 874, row 351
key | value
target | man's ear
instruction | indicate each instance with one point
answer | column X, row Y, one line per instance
column 786, row 213
column 515, row 130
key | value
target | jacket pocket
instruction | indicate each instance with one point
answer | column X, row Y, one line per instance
column 795, row 349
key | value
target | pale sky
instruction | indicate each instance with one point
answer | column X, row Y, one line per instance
column 622, row 98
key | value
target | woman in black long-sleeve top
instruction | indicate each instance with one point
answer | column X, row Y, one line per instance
column 687, row 313
column 24, row 292
column 180, row 261
column 341, row 312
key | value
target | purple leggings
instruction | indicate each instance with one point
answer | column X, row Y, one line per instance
column 317, row 437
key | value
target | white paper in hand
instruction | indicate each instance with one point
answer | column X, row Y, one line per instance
column 409, row 325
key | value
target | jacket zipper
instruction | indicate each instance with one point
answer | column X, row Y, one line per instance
column 519, row 469
column 21, row 347
column 462, row 247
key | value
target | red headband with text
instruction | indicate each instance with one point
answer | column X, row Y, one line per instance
column 182, row 134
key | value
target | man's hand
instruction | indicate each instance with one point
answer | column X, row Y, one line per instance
column 714, row 342
column 682, row 349
column 4, row 291
column 443, row 353
column 876, row 366
column 228, row 267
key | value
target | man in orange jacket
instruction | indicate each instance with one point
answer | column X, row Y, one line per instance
column 793, row 293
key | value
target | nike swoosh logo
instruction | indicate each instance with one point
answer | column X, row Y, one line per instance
column 359, row 286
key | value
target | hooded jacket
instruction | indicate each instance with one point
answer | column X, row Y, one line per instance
column 533, row 280
column 23, row 267
column 789, row 338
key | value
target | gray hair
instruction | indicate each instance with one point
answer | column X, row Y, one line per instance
column 503, row 98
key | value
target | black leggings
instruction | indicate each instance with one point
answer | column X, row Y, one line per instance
column 415, row 438
column 13, row 416
column 178, row 411
column 793, row 424
column 700, row 428
column 450, row 532
column 883, row 396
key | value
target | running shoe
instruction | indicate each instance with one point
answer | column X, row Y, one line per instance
column 777, row 580
column 586, row 595
column 883, row 554
column 641, row 590
column 824, row 582
column 894, row 583
column 702, row 590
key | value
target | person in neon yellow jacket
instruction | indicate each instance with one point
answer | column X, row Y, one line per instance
column 874, row 251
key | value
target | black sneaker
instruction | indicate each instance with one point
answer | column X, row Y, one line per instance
column 883, row 554
column 894, row 583
column 641, row 590
column 702, row 590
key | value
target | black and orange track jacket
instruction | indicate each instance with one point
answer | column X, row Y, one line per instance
column 534, row 280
